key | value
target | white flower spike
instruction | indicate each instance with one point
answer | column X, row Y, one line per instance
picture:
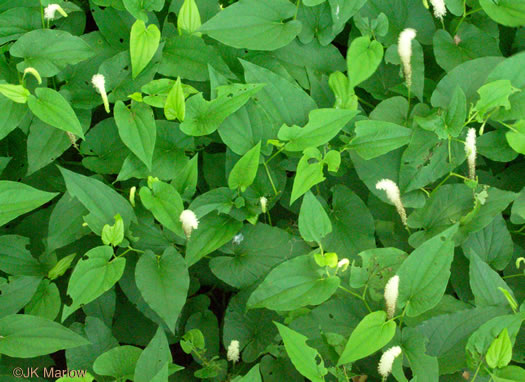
column 189, row 222
column 343, row 265
column 470, row 150
column 51, row 10
column 387, row 360
column 404, row 48
column 34, row 73
column 392, row 193
column 264, row 202
column 233, row 351
column 99, row 82
column 391, row 293
column 439, row 8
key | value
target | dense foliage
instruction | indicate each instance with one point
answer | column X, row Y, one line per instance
column 262, row 190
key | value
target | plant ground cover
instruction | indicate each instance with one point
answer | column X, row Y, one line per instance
column 262, row 190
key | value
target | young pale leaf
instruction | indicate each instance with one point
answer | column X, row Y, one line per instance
column 119, row 362
column 307, row 174
column 323, row 125
column 18, row 198
column 137, row 129
column 254, row 25
column 113, row 234
column 500, row 351
column 370, row 335
column 27, row 336
column 142, row 45
column 175, row 106
column 92, row 277
column 244, row 171
column 189, row 18
column 493, row 95
column 16, row 93
column 294, row 284
column 363, row 58
column 423, row 276
column 152, row 365
column 302, row 356
column 314, row 223
column 376, row 138
column 163, row 282
column 52, row 108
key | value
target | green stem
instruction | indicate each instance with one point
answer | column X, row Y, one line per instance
column 514, row 275
column 476, row 373
column 356, row 296
column 270, row 178
column 274, row 155
column 297, row 9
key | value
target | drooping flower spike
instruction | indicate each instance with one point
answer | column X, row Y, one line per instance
column 51, row 10
column 404, row 49
column 189, row 222
column 393, row 194
column 233, row 351
column 470, row 150
column 99, row 82
column 387, row 360
column 440, row 10
column 391, row 294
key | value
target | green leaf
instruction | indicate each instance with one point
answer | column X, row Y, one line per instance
column 214, row 231
column 18, row 198
column 484, row 282
column 424, row 367
column 189, row 18
column 254, row 25
column 307, row 174
column 500, row 351
column 152, row 365
column 27, row 336
column 52, row 108
column 493, row 95
column 143, row 45
column 61, row 267
column 253, row 375
column 293, row 284
column 370, row 335
column 175, row 106
column 510, row 13
column 376, row 138
column 244, row 171
column 113, row 234
column 15, row 259
column 92, row 277
column 314, row 223
column 323, row 125
column 102, row 202
column 45, row 302
column 516, row 137
column 163, row 282
column 204, row 117
column 509, row 374
column 16, row 93
column 137, row 129
column 423, row 276
column 55, row 50
column 118, row 362
column 16, row 293
column 262, row 247
column 456, row 112
column 165, row 203
column 302, row 356
column 363, row 58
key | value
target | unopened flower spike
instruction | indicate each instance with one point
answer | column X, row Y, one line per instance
column 393, row 194
column 189, row 222
column 343, row 264
column 387, row 360
column 391, row 294
column 404, row 49
column 233, row 351
column 470, row 150
column 34, row 73
column 51, row 10
column 99, row 82
column 439, row 8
